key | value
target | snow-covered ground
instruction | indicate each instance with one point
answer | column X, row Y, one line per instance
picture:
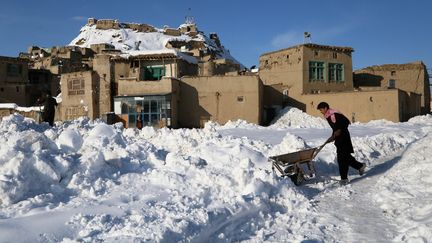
column 85, row 181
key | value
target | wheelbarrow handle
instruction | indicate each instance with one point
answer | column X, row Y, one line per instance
column 318, row 149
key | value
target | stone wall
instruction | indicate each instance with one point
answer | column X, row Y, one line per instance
column 410, row 77
column 393, row 105
column 219, row 99
column 80, row 95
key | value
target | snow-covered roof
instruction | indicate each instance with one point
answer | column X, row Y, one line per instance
column 132, row 42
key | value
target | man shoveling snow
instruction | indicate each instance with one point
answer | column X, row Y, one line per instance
column 342, row 139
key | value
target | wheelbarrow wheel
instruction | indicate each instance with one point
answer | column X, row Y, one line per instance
column 297, row 178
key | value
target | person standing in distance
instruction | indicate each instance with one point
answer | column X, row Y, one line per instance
column 342, row 140
column 49, row 104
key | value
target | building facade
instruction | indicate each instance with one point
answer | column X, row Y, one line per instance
column 190, row 79
column 304, row 75
column 410, row 77
column 220, row 99
column 305, row 69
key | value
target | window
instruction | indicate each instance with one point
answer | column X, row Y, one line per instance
column 134, row 64
column 152, row 110
column 76, row 87
column 13, row 70
column 392, row 84
column 335, row 55
column 152, row 73
column 393, row 73
column 316, row 71
column 336, row 72
column 240, row 98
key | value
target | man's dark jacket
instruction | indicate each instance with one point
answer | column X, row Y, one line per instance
column 343, row 141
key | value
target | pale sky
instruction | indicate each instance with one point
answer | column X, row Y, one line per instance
column 381, row 32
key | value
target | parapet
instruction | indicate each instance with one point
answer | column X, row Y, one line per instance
column 139, row 27
column 392, row 67
column 173, row 32
column 105, row 24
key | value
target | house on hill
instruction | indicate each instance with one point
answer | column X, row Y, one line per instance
column 179, row 77
column 159, row 77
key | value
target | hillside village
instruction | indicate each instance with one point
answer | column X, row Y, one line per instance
column 181, row 77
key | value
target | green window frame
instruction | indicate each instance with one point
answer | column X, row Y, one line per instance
column 152, row 73
column 316, row 71
column 336, row 72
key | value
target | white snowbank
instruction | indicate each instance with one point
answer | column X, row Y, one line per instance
column 14, row 106
column 87, row 181
column 404, row 192
column 293, row 117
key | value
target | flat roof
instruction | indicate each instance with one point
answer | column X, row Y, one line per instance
column 316, row 46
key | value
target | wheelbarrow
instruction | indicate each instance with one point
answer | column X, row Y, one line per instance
column 298, row 166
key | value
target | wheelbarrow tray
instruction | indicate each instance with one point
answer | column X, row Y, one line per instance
column 295, row 157
column 290, row 164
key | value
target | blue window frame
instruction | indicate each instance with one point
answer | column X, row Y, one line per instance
column 151, row 109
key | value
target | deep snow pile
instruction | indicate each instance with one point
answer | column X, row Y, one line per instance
column 405, row 192
column 293, row 117
column 87, row 181
column 169, row 184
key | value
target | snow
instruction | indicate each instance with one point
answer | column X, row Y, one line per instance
column 14, row 106
column 87, row 181
column 134, row 43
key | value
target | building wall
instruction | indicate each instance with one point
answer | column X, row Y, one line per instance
column 104, row 67
column 106, row 24
column 7, row 75
column 170, row 66
column 393, row 105
column 219, row 99
column 13, row 93
column 41, row 80
column 129, row 87
column 411, row 77
column 185, row 69
column 282, row 71
column 82, row 98
column 29, row 114
column 98, row 48
column 327, row 55
column 13, row 81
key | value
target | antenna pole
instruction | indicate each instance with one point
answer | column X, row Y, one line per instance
column 189, row 19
